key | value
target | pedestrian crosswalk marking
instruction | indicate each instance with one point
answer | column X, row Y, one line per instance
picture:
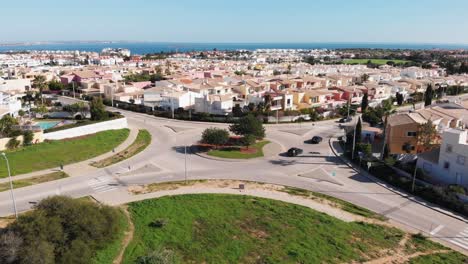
column 461, row 239
column 102, row 184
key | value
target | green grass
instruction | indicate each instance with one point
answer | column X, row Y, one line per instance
column 220, row 229
column 142, row 141
column 374, row 61
column 51, row 154
column 440, row 258
column 34, row 180
column 344, row 205
column 235, row 153
column 110, row 252
column 420, row 243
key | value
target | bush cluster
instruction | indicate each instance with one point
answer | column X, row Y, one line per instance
column 59, row 230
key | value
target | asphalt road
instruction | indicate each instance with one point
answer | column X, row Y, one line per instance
column 317, row 169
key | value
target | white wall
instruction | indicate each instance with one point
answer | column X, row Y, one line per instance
column 86, row 130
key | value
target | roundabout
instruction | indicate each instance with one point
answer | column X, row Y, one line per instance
column 318, row 169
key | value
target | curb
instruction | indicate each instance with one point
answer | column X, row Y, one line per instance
column 395, row 189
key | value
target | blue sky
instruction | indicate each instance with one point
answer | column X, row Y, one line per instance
column 406, row 21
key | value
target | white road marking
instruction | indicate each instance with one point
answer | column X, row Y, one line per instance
column 461, row 239
column 436, row 230
column 102, row 184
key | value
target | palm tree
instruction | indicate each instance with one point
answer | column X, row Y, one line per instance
column 40, row 83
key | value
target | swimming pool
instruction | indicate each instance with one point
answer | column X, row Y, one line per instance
column 47, row 124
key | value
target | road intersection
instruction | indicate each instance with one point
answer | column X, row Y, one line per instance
column 318, row 169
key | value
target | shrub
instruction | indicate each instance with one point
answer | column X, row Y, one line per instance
column 28, row 137
column 215, row 136
column 62, row 230
column 13, row 143
column 158, row 223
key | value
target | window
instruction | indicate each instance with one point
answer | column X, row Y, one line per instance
column 446, row 165
column 449, row 148
column 411, row 133
column 461, row 159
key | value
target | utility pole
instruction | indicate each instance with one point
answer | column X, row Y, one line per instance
column 384, row 138
column 347, row 118
column 172, row 102
column 277, row 116
column 354, row 139
column 190, row 105
column 11, row 185
column 73, row 85
column 185, row 163
column 414, row 178
column 112, row 92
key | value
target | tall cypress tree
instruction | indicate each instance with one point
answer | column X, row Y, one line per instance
column 364, row 103
column 428, row 96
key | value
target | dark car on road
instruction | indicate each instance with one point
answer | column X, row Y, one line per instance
column 293, row 152
column 316, row 140
column 345, row 120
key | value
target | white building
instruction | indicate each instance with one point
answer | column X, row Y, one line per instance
column 9, row 105
column 449, row 164
column 19, row 85
column 169, row 98
column 215, row 104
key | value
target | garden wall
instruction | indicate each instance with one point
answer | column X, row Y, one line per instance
column 87, row 129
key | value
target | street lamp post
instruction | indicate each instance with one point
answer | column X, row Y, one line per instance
column 414, row 178
column 185, row 163
column 11, row 184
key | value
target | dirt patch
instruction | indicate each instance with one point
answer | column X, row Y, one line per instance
column 399, row 256
column 127, row 239
column 4, row 222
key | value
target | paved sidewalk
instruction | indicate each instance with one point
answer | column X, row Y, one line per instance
column 81, row 167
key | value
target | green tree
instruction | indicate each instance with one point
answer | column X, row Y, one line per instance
column 248, row 125
column 399, row 98
column 364, row 103
column 215, row 136
column 56, row 85
column 357, row 137
column 248, row 140
column 98, row 110
column 428, row 96
column 427, row 135
column 6, row 124
column 63, row 230
column 13, row 143
column 40, row 83
column 365, row 76
column 28, row 137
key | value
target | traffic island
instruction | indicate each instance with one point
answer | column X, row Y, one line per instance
column 234, row 153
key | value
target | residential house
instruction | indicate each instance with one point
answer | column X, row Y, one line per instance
column 215, row 104
column 402, row 133
column 449, row 163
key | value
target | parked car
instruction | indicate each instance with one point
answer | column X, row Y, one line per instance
column 293, row 152
column 316, row 140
